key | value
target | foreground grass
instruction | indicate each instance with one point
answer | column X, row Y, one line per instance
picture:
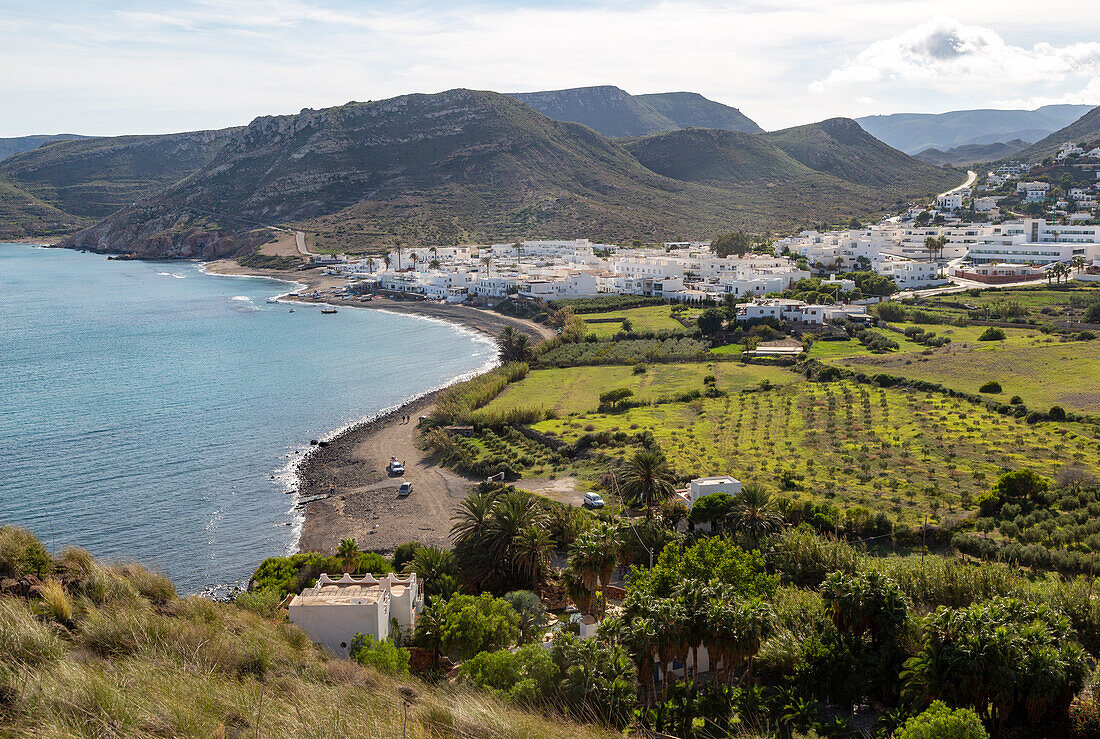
column 905, row 453
column 574, row 390
column 132, row 659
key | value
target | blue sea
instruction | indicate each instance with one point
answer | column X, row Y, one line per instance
column 152, row 412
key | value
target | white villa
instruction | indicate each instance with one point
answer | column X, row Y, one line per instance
column 334, row 611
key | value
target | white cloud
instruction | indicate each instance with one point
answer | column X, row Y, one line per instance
column 945, row 53
column 1087, row 95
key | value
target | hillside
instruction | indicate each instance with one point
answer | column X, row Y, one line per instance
column 457, row 166
column 23, row 216
column 840, row 147
column 88, row 649
column 1085, row 129
column 18, row 144
column 962, row 155
column 719, row 158
column 913, row 132
column 616, row 113
column 93, row 177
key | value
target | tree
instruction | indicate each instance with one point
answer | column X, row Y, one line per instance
column 348, row 551
column 754, row 514
column 710, row 321
column 477, row 623
column 714, row 509
column 594, row 557
column 513, row 345
column 434, row 264
column 1078, row 263
column 1003, row 658
column 435, row 567
column 599, row 681
column 612, row 398
column 1021, row 485
column 733, row 243
column 527, row 677
column 533, row 550
column 533, row 617
column 648, row 479
column 737, row 628
column 940, row 722
column 865, row 605
column 487, row 260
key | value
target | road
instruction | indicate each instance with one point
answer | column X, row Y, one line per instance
column 300, row 240
column 971, row 178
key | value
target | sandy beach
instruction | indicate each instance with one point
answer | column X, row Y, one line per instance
column 343, row 484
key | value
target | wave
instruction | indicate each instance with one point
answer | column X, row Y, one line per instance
column 172, row 274
column 242, row 298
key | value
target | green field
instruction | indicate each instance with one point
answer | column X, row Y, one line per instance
column 577, row 389
column 1042, row 369
column 649, row 318
column 905, row 453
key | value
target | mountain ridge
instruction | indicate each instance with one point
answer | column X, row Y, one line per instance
column 617, row 114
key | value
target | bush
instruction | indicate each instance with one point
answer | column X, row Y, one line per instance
column 480, row 623
column 384, row 656
column 404, row 554
column 940, row 722
column 1056, row 413
column 22, row 554
column 992, row 334
column 640, row 368
column 527, row 677
column 890, row 311
column 990, row 387
column 1015, row 400
column 261, row 602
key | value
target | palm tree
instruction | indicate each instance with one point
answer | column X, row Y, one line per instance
column 429, row 631
column 370, row 264
column 533, row 549
column 668, row 615
column 583, row 597
column 594, row 557
column 386, row 259
column 471, row 520
column 737, row 628
column 754, row 513
column 695, row 597
column 487, row 260
column 1078, row 263
column 397, row 248
column 639, row 638
column 430, row 565
column 518, row 246
column 514, row 511
column 348, row 551
column 930, row 246
column 434, row 264
column 513, row 345
column 648, row 479
column 414, row 258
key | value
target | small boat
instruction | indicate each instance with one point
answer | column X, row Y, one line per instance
column 325, row 311
column 291, row 310
column 273, row 300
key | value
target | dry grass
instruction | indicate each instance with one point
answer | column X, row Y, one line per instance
column 136, row 660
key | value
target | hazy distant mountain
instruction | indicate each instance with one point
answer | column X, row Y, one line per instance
column 466, row 165
column 1083, row 131
column 26, row 143
column 971, row 153
column 914, row 132
column 616, row 113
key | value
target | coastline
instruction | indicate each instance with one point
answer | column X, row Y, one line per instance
column 340, row 485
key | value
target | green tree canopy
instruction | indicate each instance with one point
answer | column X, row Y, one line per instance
column 732, row 243
column 477, row 623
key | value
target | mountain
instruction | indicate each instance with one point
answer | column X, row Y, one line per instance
column 457, row 166
column 1084, row 130
column 19, row 144
column 840, row 147
column 718, row 158
column 93, row 177
column 971, row 153
column 914, row 132
column 24, row 216
column 616, row 113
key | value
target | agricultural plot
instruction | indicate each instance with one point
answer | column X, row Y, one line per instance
column 904, row 453
column 573, row 390
column 1040, row 303
column 1042, row 369
column 650, row 318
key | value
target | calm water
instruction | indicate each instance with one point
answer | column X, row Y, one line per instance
column 145, row 406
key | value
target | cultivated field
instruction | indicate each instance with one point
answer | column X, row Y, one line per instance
column 905, row 453
column 649, row 318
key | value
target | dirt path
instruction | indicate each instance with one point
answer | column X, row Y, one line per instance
column 361, row 499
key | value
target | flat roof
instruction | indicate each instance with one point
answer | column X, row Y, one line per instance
column 339, row 595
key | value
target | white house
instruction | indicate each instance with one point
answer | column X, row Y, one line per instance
column 985, row 205
column 334, row 611
column 949, row 201
column 781, row 310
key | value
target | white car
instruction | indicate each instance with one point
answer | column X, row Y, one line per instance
column 404, row 489
column 395, row 468
column 593, row 500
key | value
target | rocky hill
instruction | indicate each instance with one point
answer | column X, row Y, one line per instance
column 616, row 113
column 1084, row 130
column 93, row 177
column 470, row 166
column 18, row 144
column 23, row 216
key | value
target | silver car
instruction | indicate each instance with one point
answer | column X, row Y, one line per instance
column 404, row 489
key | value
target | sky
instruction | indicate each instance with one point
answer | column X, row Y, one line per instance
column 105, row 67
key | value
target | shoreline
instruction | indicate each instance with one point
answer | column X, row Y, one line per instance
column 340, row 487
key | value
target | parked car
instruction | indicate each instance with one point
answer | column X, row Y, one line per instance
column 593, row 500
column 395, row 468
column 404, row 489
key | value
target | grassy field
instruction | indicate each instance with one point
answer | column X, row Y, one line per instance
column 904, row 453
column 1042, row 369
column 575, row 390
column 649, row 318
column 841, row 349
column 1039, row 303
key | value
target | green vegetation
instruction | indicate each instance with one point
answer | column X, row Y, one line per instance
column 132, row 659
column 649, row 319
column 627, row 351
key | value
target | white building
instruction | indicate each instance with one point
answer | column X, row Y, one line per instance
column 908, row 274
column 781, row 310
column 985, row 205
column 949, row 201
column 334, row 611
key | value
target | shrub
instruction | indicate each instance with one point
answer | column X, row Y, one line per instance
column 384, row 656
column 1015, row 400
column 940, row 722
column 480, row 623
column 890, row 311
column 640, row 368
column 261, row 602
column 527, row 677
column 990, row 387
column 22, row 554
column 992, row 334
column 55, row 601
column 404, row 554
column 1056, row 413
